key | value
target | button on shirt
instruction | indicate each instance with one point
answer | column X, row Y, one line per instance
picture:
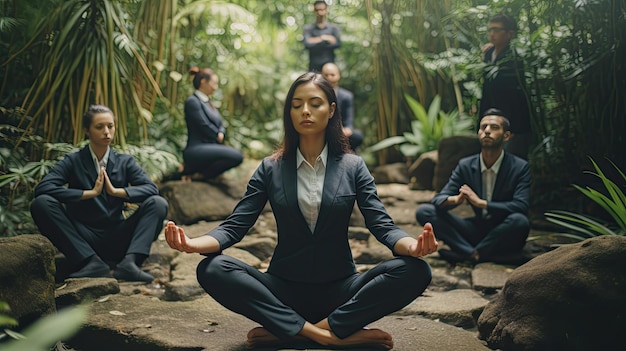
column 489, row 176
column 311, row 186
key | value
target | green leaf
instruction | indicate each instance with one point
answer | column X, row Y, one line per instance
column 45, row 333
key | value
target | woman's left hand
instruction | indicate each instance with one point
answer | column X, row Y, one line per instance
column 425, row 244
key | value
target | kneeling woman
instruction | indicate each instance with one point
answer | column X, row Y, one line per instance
column 311, row 290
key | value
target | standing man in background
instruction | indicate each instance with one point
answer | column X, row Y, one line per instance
column 321, row 38
column 345, row 102
column 504, row 85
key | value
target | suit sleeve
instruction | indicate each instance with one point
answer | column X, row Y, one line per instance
column 246, row 212
column 347, row 109
column 457, row 179
column 198, row 124
column 138, row 185
column 54, row 183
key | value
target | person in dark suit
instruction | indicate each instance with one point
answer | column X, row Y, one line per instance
column 321, row 38
column 79, row 205
column 504, row 84
column 205, row 152
column 311, row 290
column 497, row 186
column 345, row 103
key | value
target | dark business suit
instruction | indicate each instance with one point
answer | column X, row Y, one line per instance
column 80, row 228
column 345, row 102
column 505, row 227
column 322, row 52
column 203, row 154
column 312, row 275
column 504, row 88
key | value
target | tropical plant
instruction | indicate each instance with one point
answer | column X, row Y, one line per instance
column 612, row 199
column 427, row 129
column 45, row 333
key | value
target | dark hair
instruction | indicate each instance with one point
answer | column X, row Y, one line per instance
column 336, row 140
column 93, row 110
column 506, row 124
column 200, row 74
column 507, row 21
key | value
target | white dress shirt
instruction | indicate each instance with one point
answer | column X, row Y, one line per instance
column 489, row 176
column 311, row 185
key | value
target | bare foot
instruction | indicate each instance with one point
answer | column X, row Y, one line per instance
column 259, row 336
column 373, row 338
column 365, row 337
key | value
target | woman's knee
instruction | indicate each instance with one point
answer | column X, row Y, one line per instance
column 42, row 204
column 212, row 270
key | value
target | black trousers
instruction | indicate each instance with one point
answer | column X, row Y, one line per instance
column 211, row 159
column 78, row 241
column 282, row 306
column 464, row 235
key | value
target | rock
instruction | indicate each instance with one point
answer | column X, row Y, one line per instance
column 190, row 202
column 571, row 298
column 391, row 173
column 142, row 323
column 27, row 276
column 449, row 152
column 422, row 172
column 460, row 307
column 489, row 277
column 78, row 290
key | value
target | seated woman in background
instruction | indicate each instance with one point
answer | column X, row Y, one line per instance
column 205, row 152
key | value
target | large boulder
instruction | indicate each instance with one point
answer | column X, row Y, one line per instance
column 27, row 276
column 191, row 202
column 572, row 298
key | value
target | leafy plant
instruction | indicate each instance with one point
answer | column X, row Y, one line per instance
column 612, row 200
column 45, row 332
column 427, row 129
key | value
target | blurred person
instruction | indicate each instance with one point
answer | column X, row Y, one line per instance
column 345, row 104
column 205, row 152
column 321, row 38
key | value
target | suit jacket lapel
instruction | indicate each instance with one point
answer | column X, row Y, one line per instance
column 505, row 168
column 89, row 168
column 332, row 179
column 290, row 182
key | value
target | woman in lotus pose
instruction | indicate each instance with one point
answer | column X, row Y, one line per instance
column 311, row 290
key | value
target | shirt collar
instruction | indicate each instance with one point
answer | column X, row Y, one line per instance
column 496, row 165
column 105, row 158
column 202, row 96
column 323, row 157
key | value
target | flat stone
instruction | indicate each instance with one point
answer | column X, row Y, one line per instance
column 489, row 277
column 459, row 307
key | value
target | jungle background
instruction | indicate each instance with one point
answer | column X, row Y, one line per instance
column 59, row 56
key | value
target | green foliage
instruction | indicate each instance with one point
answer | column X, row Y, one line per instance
column 4, row 319
column 155, row 162
column 46, row 332
column 612, row 199
column 428, row 128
